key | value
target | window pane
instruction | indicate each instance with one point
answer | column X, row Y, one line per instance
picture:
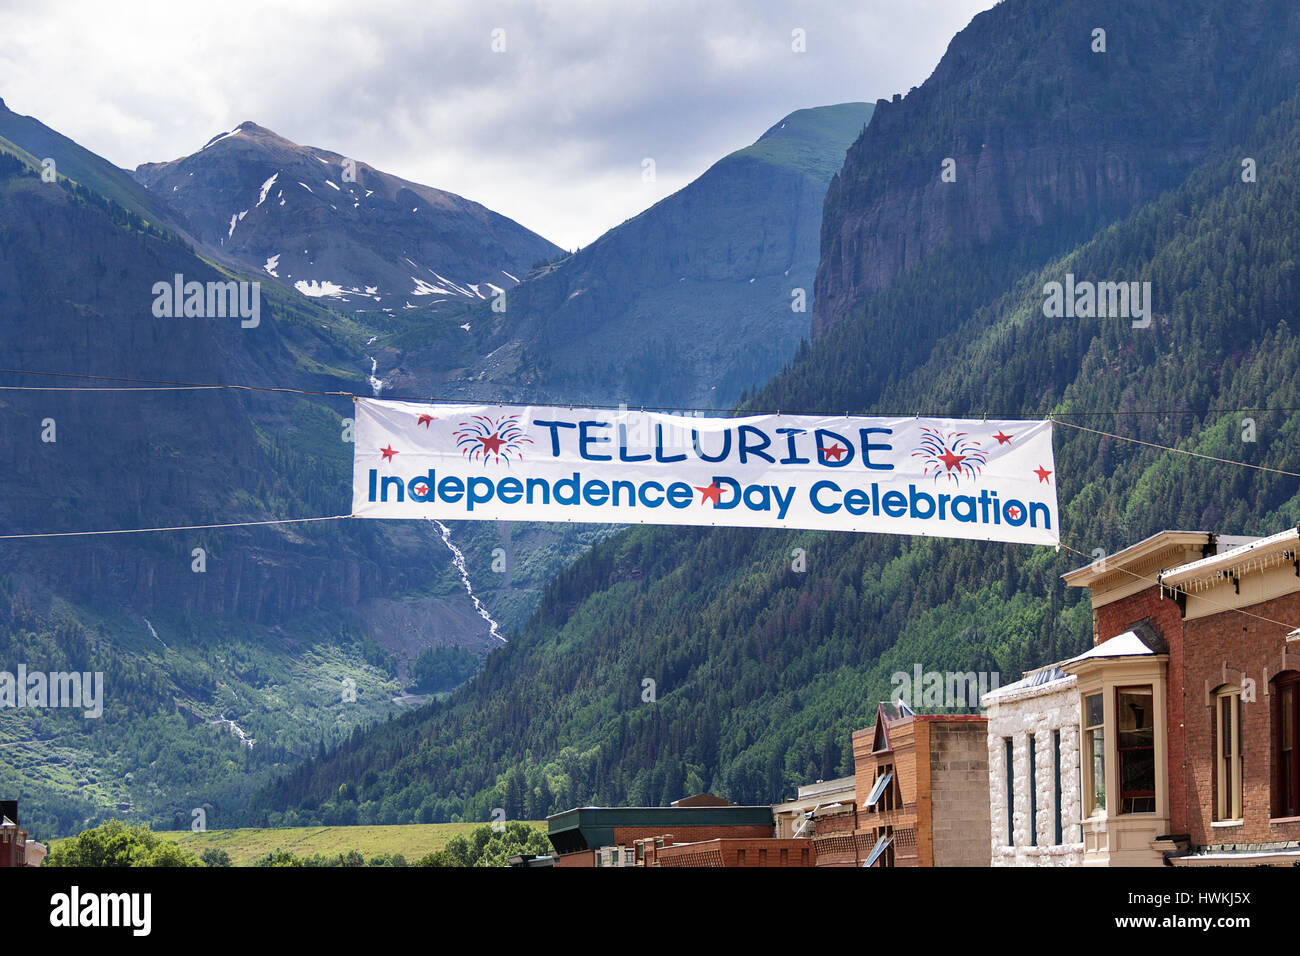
column 1288, row 790
column 1225, row 726
column 1287, row 796
column 1288, row 708
column 1097, row 751
column 1056, row 773
column 1093, row 710
column 1135, row 717
column 1009, row 750
column 1033, row 791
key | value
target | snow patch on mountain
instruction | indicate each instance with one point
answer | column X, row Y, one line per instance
column 235, row 220
column 219, row 138
column 426, row 288
column 319, row 289
column 266, row 188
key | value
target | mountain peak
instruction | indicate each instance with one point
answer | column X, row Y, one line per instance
column 363, row 238
column 250, row 130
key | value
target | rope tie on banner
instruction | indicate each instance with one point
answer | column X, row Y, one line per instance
column 1182, row 451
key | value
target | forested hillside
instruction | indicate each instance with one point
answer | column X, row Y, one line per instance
column 230, row 653
column 762, row 671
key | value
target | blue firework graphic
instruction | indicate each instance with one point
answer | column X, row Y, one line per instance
column 954, row 455
column 499, row 439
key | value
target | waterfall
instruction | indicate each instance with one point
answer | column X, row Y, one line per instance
column 458, row 560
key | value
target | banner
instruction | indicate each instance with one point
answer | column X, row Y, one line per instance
column 986, row 480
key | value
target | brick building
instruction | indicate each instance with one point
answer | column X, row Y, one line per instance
column 15, row 849
column 918, row 797
column 1240, row 703
column 618, row 836
column 816, row 807
column 922, row 786
column 728, row 852
column 1132, row 710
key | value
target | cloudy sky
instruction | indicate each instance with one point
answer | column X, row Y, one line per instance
column 552, row 131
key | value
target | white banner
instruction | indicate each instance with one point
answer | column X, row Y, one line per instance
column 987, row 480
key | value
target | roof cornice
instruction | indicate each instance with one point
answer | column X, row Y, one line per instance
column 1258, row 555
column 1137, row 566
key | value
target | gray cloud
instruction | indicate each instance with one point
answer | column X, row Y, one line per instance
column 552, row 132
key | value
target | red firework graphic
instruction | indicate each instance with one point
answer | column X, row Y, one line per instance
column 482, row 437
column 955, row 455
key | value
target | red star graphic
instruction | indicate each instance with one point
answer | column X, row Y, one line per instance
column 951, row 461
column 711, row 492
column 421, row 489
column 424, row 419
column 1013, row 512
column 388, row 453
column 835, row 451
column 1042, row 474
column 1003, row 439
column 492, row 445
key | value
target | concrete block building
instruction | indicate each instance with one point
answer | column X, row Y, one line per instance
column 922, row 785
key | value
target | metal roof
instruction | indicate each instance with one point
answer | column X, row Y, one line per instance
column 585, row 828
column 1038, row 677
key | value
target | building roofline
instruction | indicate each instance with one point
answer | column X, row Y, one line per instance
column 667, row 809
column 1027, row 687
column 1277, row 544
column 1089, row 574
column 925, row 718
column 810, row 792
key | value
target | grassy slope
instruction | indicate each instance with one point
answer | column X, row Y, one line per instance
column 246, row 845
column 811, row 140
column 77, row 163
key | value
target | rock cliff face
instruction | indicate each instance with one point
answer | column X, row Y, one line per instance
column 1049, row 139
